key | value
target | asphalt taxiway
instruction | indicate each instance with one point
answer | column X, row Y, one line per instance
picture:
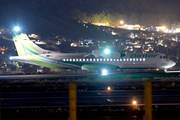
column 113, row 74
column 95, row 98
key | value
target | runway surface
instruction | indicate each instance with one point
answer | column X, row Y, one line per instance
column 107, row 98
column 113, row 74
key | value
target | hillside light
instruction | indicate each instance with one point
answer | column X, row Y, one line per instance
column 121, row 22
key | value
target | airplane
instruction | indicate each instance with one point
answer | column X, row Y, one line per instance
column 97, row 60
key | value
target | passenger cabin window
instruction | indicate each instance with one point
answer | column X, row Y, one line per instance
column 124, row 59
column 134, row 59
column 76, row 59
column 127, row 59
column 144, row 59
column 104, row 59
column 130, row 59
column 120, row 59
column 117, row 59
column 140, row 59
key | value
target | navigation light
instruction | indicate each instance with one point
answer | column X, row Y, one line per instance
column 108, row 88
column 10, row 58
column 107, row 51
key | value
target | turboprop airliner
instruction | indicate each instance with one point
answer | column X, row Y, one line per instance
column 29, row 52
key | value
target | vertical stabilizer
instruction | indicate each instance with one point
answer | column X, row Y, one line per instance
column 19, row 47
column 25, row 46
column 31, row 47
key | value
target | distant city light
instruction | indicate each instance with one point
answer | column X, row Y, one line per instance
column 17, row 29
column 121, row 22
column 113, row 33
column 100, row 24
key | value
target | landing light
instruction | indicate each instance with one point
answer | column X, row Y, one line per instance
column 104, row 72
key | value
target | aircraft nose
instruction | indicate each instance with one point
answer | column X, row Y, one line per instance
column 173, row 63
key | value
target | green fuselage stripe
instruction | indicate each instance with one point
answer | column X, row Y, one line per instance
column 33, row 47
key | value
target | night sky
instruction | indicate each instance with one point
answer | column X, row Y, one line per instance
column 39, row 15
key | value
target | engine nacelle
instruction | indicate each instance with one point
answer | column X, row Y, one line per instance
column 90, row 67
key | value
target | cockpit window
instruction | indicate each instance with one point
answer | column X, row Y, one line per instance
column 163, row 57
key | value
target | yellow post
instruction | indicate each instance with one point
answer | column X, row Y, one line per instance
column 72, row 101
column 148, row 100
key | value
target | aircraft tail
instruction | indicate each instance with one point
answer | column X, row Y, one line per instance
column 19, row 46
column 25, row 46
